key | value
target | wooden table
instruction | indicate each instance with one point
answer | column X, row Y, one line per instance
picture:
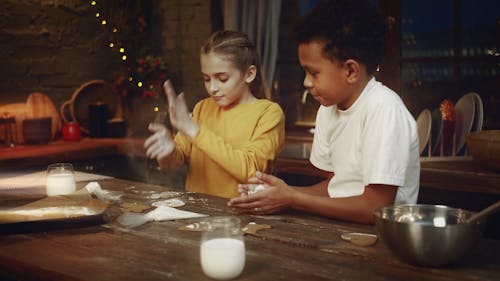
column 298, row 247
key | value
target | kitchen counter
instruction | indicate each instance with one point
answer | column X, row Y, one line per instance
column 454, row 174
column 296, row 247
column 447, row 173
column 57, row 151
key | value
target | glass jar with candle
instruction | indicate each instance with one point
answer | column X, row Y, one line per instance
column 60, row 179
column 222, row 248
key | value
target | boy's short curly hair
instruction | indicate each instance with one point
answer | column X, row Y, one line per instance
column 350, row 29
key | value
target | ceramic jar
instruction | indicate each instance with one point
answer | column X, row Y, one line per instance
column 71, row 131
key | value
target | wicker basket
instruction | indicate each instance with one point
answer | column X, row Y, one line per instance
column 485, row 148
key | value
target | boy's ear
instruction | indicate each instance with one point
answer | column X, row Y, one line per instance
column 353, row 69
column 251, row 73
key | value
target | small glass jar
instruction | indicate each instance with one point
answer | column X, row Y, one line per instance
column 222, row 248
column 60, row 179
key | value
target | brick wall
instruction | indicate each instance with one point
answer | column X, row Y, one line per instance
column 185, row 27
column 55, row 46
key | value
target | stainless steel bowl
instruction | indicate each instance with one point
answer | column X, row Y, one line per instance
column 427, row 235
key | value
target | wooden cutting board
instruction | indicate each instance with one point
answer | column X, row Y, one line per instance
column 18, row 110
column 39, row 105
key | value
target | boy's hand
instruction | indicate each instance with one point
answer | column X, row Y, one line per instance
column 275, row 197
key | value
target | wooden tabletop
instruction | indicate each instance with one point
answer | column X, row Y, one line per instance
column 297, row 247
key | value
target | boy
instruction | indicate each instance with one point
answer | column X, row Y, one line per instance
column 364, row 134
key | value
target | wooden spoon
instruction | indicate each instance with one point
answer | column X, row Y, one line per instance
column 486, row 212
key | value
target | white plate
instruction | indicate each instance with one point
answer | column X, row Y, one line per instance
column 424, row 123
column 477, row 125
column 464, row 112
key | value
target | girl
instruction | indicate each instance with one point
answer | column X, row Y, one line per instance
column 233, row 133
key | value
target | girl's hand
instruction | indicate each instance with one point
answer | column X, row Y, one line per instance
column 179, row 113
column 160, row 144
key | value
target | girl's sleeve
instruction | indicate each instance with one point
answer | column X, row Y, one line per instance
column 180, row 155
column 256, row 154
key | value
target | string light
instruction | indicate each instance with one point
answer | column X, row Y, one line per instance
column 114, row 30
column 113, row 44
column 156, row 109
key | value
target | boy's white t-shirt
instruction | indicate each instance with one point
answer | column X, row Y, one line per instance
column 375, row 141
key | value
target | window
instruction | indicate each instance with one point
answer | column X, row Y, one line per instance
column 437, row 50
column 450, row 48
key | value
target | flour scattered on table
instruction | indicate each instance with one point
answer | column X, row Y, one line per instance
column 168, row 213
column 173, row 202
column 197, row 226
column 161, row 213
column 135, row 207
column 166, row 195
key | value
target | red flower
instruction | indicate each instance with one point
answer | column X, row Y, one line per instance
column 151, row 71
column 146, row 94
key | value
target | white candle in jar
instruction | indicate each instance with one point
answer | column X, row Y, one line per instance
column 60, row 184
column 222, row 258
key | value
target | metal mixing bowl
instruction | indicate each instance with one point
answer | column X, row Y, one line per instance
column 427, row 235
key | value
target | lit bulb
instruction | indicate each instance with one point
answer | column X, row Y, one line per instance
column 93, row 3
column 124, row 57
column 111, row 45
column 122, row 50
column 115, row 30
column 103, row 22
column 97, row 15
column 130, row 79
column 139, row 84
column 156, row 109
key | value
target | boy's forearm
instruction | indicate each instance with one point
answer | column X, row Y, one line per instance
column 319, row 189
column 355, row 208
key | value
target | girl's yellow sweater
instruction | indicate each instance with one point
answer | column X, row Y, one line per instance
column 232, row 144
